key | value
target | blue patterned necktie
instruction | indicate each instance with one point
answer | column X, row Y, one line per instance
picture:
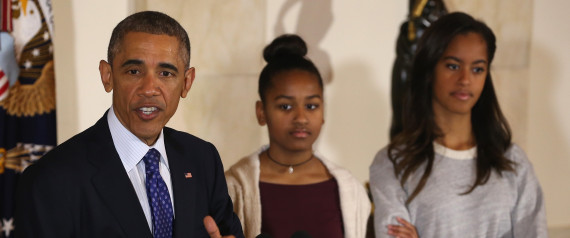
column 158, row 197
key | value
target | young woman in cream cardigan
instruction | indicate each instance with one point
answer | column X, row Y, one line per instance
column 285, row 188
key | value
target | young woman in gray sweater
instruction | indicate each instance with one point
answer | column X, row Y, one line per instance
column 453, row 170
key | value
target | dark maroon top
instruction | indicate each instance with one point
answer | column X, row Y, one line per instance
column 314, row 208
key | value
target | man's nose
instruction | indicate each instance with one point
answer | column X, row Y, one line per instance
column 149, row 85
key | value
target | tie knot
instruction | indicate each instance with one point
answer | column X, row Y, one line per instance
column 151, row 160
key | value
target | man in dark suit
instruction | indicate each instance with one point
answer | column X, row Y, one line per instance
column 129, row 175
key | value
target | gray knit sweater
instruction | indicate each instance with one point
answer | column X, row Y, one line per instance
column 507, row 206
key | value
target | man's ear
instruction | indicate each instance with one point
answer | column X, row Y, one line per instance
column 260, row 113
column 106, row 76
column 188, row 80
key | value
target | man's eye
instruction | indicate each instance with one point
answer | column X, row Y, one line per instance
column 133, row 71
column 166, row 74
column 285, row 107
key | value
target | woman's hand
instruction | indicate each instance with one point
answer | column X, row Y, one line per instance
column 406, row 230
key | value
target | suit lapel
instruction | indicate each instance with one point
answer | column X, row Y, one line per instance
column 184, row 188
column 113, row 184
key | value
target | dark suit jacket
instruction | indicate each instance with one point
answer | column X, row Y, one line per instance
column 81, row 189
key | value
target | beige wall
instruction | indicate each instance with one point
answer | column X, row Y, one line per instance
column 549, row 101
column 356, row 51
column 81, row 38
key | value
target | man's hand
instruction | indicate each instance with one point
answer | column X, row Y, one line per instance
column 406, row 230
column 212, row 228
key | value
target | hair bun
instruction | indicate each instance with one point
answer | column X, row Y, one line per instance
column 286, row 45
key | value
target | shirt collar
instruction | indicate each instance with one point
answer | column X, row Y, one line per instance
column 130, row 148
column 455, row 154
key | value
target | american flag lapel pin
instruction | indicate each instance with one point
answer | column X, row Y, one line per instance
column 188, row 175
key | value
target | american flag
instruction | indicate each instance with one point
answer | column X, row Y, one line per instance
column 6, row 15
column 4, row 85
column 27, row 93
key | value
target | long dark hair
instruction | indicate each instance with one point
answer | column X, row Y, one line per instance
column 286, row 52
column 413, row 147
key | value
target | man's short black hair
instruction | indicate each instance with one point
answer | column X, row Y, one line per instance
column 153, row 23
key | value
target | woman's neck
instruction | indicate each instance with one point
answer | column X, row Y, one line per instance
column 456, row 131
column 285, row 156
column 281, row 166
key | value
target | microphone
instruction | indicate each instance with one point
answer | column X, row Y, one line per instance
column 298, row 234
column 301, row 234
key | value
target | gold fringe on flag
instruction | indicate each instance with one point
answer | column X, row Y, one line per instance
column 32, row 99
column 23, row 155
column 2, row 159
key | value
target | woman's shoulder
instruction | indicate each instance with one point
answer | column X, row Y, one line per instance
column 383, row 152
column 243, row 165
column 521, row 162
column 337, row 171
column 381, row 159
column 517, row 155
column 349, row 186
column 244, row 169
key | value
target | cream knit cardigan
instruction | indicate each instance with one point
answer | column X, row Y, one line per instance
column 243, row 186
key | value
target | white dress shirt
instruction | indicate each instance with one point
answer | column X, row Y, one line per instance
column 131, row 150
